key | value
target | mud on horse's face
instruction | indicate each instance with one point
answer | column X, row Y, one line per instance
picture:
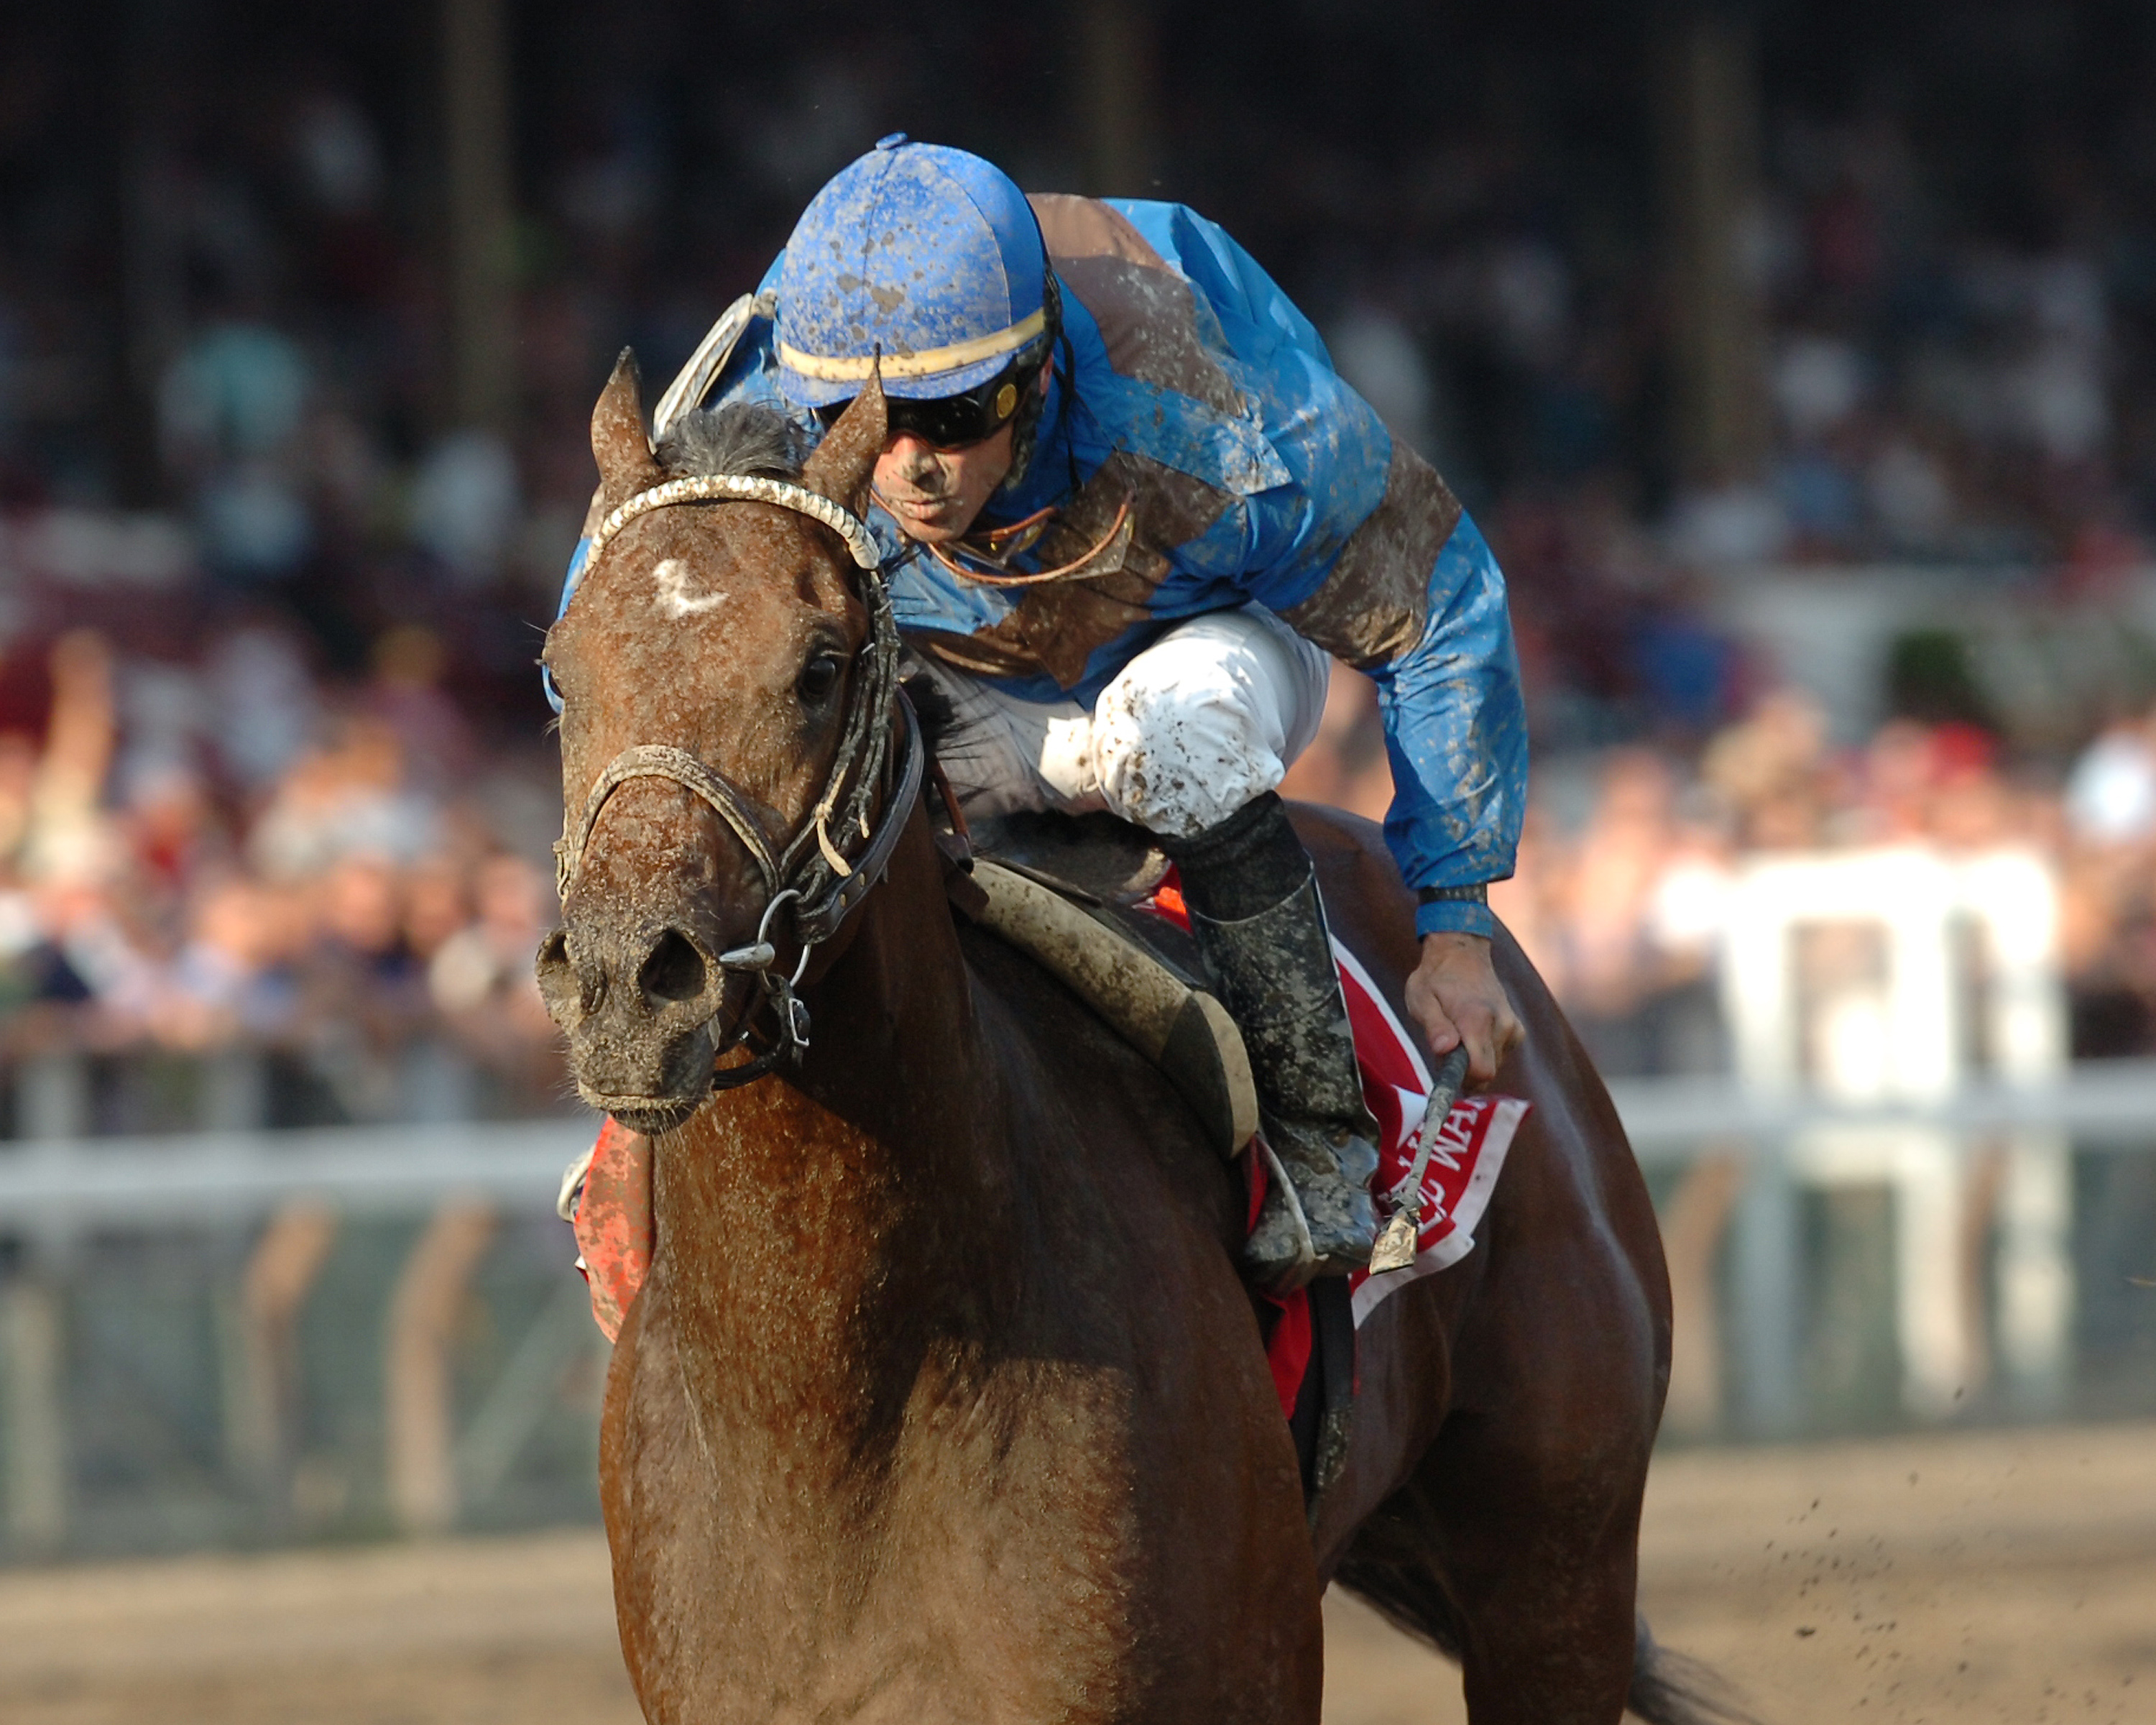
column 729, row 631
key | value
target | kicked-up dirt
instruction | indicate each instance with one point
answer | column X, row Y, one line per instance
column 1934, row 1581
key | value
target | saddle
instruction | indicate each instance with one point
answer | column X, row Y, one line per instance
column 1075, row 895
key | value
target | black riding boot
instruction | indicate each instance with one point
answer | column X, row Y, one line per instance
column 1255, row 911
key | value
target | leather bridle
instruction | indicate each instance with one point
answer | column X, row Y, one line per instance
column 879, row 757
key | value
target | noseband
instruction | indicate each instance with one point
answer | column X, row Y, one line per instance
column 879, row 757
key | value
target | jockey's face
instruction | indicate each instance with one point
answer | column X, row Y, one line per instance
column 934, row 494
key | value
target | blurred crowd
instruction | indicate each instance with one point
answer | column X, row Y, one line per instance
column 236, row 853
column 1953, row 256
column 1946, row 381
column 232, row 855
column 1954, row 350
column 245, row 811
column 1628, row 853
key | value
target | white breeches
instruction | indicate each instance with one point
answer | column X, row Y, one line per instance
column 1209, row 717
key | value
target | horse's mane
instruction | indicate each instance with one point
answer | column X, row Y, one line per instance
column 744, row 437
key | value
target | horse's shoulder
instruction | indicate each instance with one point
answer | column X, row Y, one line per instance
column 1077, row 1087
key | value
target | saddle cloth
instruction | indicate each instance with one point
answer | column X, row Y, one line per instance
column 1464, row 1164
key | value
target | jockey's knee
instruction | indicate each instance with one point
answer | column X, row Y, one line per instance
column 1178, row 759
column 1209, row 718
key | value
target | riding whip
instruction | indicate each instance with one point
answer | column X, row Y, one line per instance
column 1396, row 1246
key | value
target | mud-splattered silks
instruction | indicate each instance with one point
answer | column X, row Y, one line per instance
column 1191, row 392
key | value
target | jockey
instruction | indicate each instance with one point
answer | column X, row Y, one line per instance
column 1129, row 509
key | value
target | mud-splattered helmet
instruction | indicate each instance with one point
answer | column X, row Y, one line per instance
column 928, row 261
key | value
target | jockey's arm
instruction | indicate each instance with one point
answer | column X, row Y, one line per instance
column 1366, row 554
column 1369, row 555
column 1455, row 734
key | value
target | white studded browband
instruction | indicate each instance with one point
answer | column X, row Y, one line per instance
column 734, row 488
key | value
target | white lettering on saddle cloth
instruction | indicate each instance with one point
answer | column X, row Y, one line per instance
column 1464, row 1162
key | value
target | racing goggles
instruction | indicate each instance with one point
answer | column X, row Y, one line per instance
column 951, row 422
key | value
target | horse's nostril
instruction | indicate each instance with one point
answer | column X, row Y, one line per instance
column 568, row 995
column 674, row 970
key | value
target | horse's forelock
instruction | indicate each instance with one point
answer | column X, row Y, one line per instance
column 743, row 437
column 742, row 440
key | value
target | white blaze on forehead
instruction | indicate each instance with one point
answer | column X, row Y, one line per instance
column 675, row 597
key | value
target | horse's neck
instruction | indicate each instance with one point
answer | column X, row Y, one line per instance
column 820, row 1235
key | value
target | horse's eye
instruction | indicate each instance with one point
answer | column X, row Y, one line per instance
column 819, row 678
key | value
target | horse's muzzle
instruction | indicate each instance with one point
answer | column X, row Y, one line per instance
column 644, row 1008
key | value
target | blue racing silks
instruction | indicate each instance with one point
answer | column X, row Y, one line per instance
column 1188, row 384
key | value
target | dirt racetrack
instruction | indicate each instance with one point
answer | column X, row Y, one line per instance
column 2007, row 1577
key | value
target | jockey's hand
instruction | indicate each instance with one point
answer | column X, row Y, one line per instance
column 1455, row 995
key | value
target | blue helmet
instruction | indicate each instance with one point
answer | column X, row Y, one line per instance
column 925, row 255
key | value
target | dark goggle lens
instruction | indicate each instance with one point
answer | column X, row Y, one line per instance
column 947, row 422
column 950, row 421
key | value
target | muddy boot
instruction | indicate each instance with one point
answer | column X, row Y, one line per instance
column 1255, row 909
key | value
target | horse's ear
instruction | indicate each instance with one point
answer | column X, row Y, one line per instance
column 619, row 444
column 840, row 467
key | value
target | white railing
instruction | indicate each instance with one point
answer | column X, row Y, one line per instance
column 1745, row 1154
column 54, row 1187
column 1984, row 1170
column 2104, row 1104
column 1744, row 1158
column 294, row 1189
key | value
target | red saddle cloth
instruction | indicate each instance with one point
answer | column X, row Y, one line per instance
column 613, row 1214
column 1464, row 1164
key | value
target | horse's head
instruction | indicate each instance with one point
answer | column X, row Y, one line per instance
column 708, row 669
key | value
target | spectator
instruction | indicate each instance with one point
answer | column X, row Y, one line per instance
column 231, row 411
column 350, row 796
column 2111, row 794
column 235, row 980
column 1773, row 773
column 482, row 978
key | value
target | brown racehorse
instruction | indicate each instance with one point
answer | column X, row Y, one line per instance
column 944, row 1400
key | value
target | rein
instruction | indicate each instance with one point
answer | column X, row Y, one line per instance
column 994, row 547
column 877, row 757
